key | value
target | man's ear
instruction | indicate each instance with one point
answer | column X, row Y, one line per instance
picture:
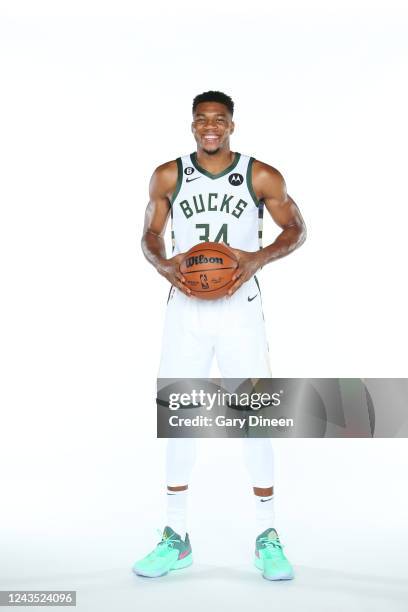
column 192, row 127
column 232, row 127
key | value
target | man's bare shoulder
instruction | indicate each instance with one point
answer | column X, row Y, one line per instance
column 166, row 171
column 164, row 177
column 263, row 170
column 267, row 181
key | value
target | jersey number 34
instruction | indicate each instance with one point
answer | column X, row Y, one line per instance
column 222, row 235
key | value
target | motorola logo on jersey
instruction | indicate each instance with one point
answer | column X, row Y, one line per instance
column 189, row 170
column 201, row 259
column 235, row 178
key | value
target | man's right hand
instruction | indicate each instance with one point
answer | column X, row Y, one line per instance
column 170, row 269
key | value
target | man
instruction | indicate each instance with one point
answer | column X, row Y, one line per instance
column 217, row 195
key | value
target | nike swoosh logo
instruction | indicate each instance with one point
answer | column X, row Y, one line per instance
column 192, row 179
column 250, row 300
column 265, row 500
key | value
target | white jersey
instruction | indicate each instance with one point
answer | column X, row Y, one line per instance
column 221, row 207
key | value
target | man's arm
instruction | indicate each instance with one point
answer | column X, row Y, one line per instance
column 162, row 185
column 269, row 186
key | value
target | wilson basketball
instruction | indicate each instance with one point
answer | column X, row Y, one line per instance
column 208, row 268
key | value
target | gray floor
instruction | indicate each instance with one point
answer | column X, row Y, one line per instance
column 204, row 587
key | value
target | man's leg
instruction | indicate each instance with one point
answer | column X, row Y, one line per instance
column 242, row 352
column 258, row 456
column 180, row 459
column 187, row 352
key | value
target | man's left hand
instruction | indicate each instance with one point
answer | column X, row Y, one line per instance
column 248, row 264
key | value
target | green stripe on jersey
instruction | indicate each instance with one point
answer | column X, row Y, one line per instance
column 249, row 181
column 179, row 180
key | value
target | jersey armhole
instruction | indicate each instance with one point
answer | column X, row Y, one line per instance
column 179, row 180
column 249, row 181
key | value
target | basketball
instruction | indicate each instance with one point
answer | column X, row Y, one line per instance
column 208, row 268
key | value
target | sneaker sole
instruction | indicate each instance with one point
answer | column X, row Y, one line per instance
column 283, row 576
column 179, row 564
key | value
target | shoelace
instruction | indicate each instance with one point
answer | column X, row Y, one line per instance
column 271, row 545
column 165, row 542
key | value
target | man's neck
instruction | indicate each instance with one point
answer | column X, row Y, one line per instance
column 215, row 163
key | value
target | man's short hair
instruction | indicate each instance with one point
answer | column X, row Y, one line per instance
column 214, row 96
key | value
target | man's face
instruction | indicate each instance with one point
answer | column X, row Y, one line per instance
column 212, row 126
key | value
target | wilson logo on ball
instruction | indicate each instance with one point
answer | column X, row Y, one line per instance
column 208, row 268
column 201, row 259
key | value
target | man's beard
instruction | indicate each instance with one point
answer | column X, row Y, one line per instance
column 212, row 152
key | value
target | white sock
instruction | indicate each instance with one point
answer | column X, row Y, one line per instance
column 264, row 512
column 177, row 511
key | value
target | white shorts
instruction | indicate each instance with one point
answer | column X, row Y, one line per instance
column 231, row 329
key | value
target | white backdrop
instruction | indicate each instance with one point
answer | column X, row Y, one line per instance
column 94, row 97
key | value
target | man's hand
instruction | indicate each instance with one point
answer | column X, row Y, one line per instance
column 170, row 269
column 248, row 264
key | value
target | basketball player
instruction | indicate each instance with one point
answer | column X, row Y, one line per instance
column 217, row 195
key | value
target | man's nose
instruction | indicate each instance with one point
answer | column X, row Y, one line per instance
column 210, row 124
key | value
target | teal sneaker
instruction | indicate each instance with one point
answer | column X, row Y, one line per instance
column 269, row 557
column 170, row 554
